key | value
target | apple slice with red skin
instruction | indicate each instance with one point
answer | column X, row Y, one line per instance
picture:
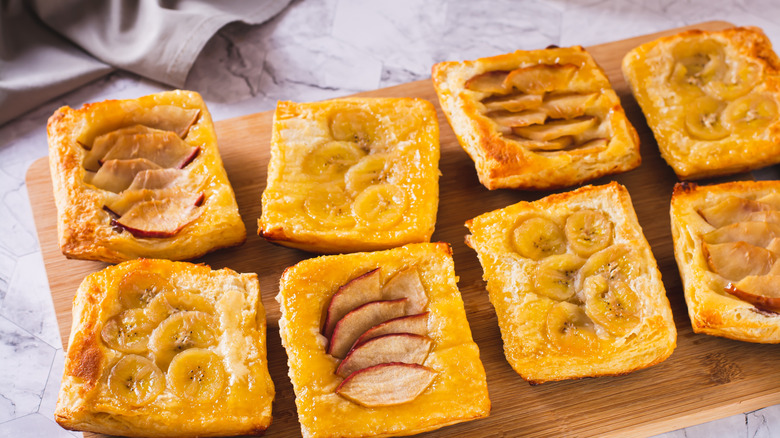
column 351, row 295
column 164, row 148
column 732, row 209
column 356, row 322
column 117, row 175
column 762, row 291
column 158, row 218
column 414, row 324
column 172, row 118
column 396, row 347
column 407, row 284
column 386, row 384
column 737, row 260
column 154, row 179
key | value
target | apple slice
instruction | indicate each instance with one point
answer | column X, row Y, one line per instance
column 519, row 119
column 568, row 105
column 356, row 322
column 171, row 118
column 396, row 347
column 155, row 179
column 351, row 295
column 772, row 199
column 386, row 384
column 540, row 78
column 732, row 209
column 762, row 291
column 754, row 233
column 164, row 148
column 513, row 102
column 558, row 128
column 407, row 284
column 161, row 217
column 414, row 324
column 737, row 260
column 488, row 82
column 552, row 145
column 117, row 175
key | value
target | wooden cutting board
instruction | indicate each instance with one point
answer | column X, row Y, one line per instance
column 706, row 378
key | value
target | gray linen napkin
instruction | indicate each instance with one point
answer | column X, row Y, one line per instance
column 157, row 39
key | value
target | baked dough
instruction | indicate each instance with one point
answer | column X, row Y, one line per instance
column 355, row 174
column 141, row 178
column 538, row 119
column 144, row 331
column 727, row 233
column 575, row 285
column 711, row 99
column 458, row 392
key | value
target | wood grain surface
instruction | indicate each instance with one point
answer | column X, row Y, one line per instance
column 705, row 378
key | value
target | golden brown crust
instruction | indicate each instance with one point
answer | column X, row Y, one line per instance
column 459, row 391
column 712, row 310
column 354, row 174
column 87, row 231
column 509, row 161
column 700, row 139
column 537, row 291
column 88, row 400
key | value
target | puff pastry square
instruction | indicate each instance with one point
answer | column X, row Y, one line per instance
column 141, row 178
column 727, row 246
column 575, row 285
column 161, row 348
column 355, row 174
column 415, row 287
column 711, row 99
column 538, row 119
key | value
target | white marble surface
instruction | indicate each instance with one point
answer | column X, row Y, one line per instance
column 314, row 50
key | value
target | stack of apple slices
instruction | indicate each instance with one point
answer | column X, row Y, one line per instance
column 744, row 248
column 142, row 166
column 380, row 335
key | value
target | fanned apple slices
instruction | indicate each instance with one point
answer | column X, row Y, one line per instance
column 144, row 164
column 380, row 333
column 744, row 248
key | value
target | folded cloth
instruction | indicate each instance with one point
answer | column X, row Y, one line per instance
column 157, row 39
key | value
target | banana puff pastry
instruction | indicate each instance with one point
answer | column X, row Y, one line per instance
column 576, row 289
column 167, row 349
column 141, row 178
column 378, row 343
column 711, row 99
column 355, row 174
column 727, row 246
column 538, row 119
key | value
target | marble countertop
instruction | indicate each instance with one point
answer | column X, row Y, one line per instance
column 314, row 50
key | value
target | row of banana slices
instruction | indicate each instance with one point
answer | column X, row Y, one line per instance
column 164, row 336
column 721, row 91
column 590, row 285
column 353, row 178
column 530, row 103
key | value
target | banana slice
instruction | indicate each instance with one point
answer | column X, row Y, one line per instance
column 754, row 112
column 612, row 304
column 380, row 206
column 180, row 332
column 570, row 330
column 736, row 82
column 197, row 375
column 698, row 62
column 554, row 276
column 330, row 205
column 129, row 331
column 354, row 126
column 371, row 169
column 138, row 288
column 617, row 262
column 332, row 159
column 703, row 119
column 537, row 238
column 136, row 380
column 588, row 231
column 168, row 303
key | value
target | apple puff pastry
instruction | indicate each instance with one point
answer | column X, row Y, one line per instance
column 727, row 246
column 353, row 174
column 379, row 345
column 141, row 178
column 161, row 348
column 711, row 99
column 575, row 286
column 538, row 119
